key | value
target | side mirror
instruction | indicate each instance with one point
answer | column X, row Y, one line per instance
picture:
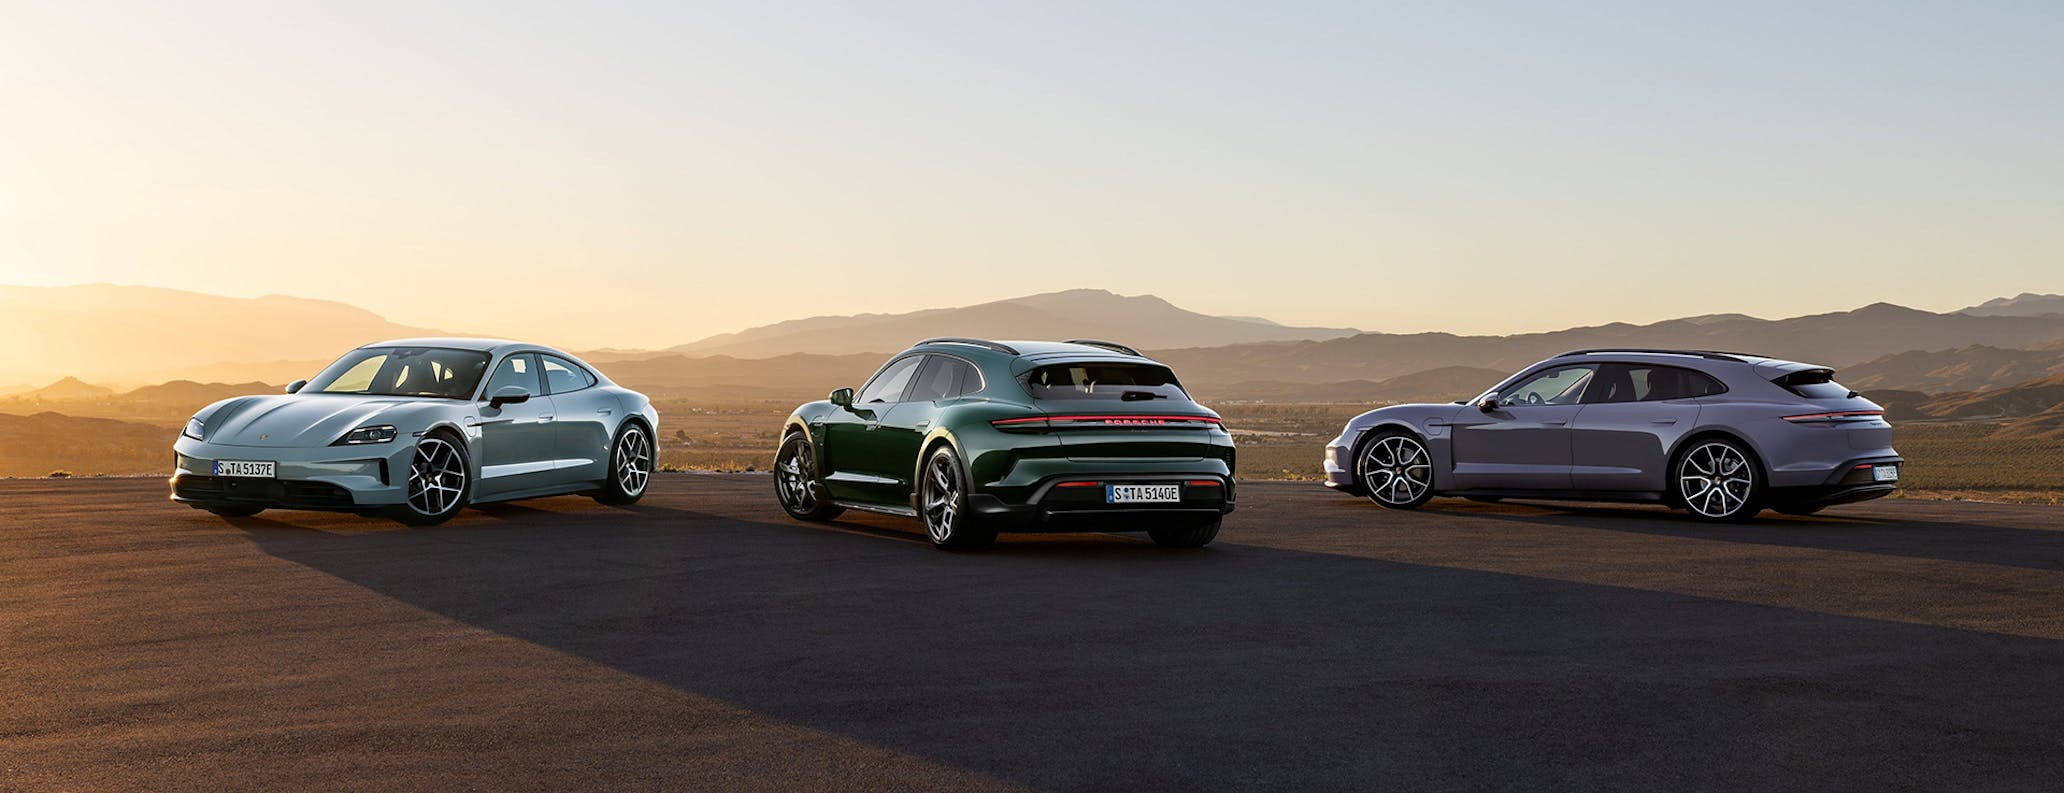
column 296, row 386
column 1488, row 403
column 842, row 397
column 508, row 395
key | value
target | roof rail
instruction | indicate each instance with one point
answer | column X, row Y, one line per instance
column 1708, row 354
column 1108, row 345
column 983, row 343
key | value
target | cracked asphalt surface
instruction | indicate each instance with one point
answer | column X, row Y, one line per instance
column 702, row 640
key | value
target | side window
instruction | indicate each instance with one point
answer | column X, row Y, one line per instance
column 1563, row 385
column 966, row 378
column 562, row 375
column 1620, row 382
column 889, row 383
column 943, row 377
column 1673, row 383
column 518, row 370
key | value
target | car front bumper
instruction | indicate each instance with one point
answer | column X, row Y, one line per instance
column 328, row 477
column 1339, row 464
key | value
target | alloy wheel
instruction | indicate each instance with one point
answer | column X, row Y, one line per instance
column 633, row 462
column 437, row 477
column 1715, row 480
column 795, row 474
column 1396, row 470
column 941, row 498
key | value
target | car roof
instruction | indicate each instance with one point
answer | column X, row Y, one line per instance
column 1032, row 352
column 469, row 343
column 1709, row 361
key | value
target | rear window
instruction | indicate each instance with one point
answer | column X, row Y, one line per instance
column 1814, row 384
column 1128, row 382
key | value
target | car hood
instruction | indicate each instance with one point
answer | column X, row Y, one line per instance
column 297, row 420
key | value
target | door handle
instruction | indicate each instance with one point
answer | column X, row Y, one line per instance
column 545, row 419
column 1554, row 423
column 922, row 425
column 603, row 411
column 1662, row 421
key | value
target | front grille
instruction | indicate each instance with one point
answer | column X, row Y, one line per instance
column 272, row 492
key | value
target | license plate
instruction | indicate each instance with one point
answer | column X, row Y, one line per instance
column 255, row 469
column 1142, row 494
column 1885, row 473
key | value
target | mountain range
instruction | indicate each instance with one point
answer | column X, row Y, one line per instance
column 1143, row 321
column 127, row 336
column 134, row 335
column 2026, row 304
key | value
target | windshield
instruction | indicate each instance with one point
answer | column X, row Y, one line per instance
column 1128, row 382
column 403, row 371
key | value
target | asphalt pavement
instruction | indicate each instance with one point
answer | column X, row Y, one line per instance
column 702, row 640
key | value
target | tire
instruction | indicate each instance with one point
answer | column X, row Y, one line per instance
column 235, row 512
column 630, row 466
column 796, row 485
column 440, row 462
column 942, row 499
column 1196, row 536
column 1383, row 464
column 1729, row 481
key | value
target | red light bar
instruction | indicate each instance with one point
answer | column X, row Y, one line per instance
column 1202, row 483
column 1078, row 484
column 1832, row 416
column 1109, row 421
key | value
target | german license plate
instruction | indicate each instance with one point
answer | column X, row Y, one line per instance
column 252, row 469
column 1142, row 494
column 1885, row 473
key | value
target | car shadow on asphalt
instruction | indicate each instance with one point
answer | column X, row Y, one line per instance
column 2037, row 548
column 1107, row 664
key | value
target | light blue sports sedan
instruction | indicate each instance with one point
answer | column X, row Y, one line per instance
column 419, row 428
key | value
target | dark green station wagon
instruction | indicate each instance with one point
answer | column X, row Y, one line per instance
column 975, row 437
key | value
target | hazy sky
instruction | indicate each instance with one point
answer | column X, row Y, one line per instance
column 644, row 174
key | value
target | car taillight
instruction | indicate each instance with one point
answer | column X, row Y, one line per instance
column 1839, row 415
column 1037, row 423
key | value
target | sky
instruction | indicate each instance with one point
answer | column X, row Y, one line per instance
column 642, row 174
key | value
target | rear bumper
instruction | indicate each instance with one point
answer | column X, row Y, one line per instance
column 1050, row 507
column 1852, row 481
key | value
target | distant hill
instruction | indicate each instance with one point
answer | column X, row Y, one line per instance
column 2023, row 399
column 167, row 403
column 2026, row 304
column 65, row 390
column 135, row 334
column 2048, row 424
column 1974, row 368
column 1836, row 339
column 1141, row 321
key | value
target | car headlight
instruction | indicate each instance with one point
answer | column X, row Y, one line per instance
column 363, row 435
column 194, row 429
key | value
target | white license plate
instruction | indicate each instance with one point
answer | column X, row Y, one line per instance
column 255, row 469
column 1142, row 494
column 1885, row 473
